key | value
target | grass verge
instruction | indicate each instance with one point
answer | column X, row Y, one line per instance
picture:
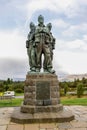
column 19, row 94
column 10, row 102
column 74, row 101
column 64, row 101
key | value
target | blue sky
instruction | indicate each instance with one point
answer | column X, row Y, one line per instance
column 69, row 21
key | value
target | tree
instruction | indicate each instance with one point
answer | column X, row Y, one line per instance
column 84, row 80
column 1, row 87
column 9, row 81
column 79, row 90
column 65, row 88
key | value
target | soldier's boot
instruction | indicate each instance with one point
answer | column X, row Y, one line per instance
column 33, row 69
column 37, row 70
column 51, row 71
column 45, row 70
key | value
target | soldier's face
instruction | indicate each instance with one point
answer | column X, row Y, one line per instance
column 49, row 27
column 41, row 20
column 32, row 27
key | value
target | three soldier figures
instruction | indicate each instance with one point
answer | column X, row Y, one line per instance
column 40, row 41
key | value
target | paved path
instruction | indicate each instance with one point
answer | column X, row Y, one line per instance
column 80, row 122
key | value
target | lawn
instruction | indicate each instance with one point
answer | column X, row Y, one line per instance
column 64, row 100
column 19, row 94
column 11, row 102
column 74, row 101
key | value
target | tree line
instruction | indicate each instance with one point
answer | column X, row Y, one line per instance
column 78, row 86
column 10, row 85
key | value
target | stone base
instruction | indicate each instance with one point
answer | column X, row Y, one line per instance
column 41, row 101
column 41, row 90
column 45, row 117
column 37, row 109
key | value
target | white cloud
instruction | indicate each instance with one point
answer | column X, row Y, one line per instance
column 75, row 30
column 71, row 8
column 76, row 45
column 85, row 38
column 59, row 23
column 13, row 68
column 52, row 5
column 74, row 63
column 12, row 44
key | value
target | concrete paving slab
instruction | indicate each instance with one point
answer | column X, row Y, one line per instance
column 77, row 129
column 3, row 127
column 51, row 129
column 4, row 121
column 12, row 123
column 31, row 127
column 66, row 125
column 79, row 124
column 47, row 125
column 6, row 112
column 15, row 127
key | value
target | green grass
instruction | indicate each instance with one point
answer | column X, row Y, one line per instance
column 10, row 103
column 19, row 94
column 74, row 101
column 64, row 101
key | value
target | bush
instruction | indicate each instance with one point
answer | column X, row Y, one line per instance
column 79, row 90
column 19, row 90
column 1, row 89
column 65, row 89
column 61, row 92
column 19, row 85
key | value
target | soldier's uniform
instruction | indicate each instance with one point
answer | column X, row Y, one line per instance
column 31, row 50
column 42, row 41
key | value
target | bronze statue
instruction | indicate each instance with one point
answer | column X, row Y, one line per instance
column 30, row 45
column 40, row 41
column 52, row 39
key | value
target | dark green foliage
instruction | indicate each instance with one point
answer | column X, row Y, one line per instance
column 84, row 80
column 79, row 90
column 65, row 88
column 10, row 85
column 18, row 90
column 72, row 86
column 1, row 87
column 18, row 85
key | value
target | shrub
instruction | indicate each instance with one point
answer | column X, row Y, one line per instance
column 18, row 90
column 61, row 92
column 79, row 90
column 65, row 89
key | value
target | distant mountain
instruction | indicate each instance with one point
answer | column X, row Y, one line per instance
column 73, row 77
column 62, row 77
column 19, row 79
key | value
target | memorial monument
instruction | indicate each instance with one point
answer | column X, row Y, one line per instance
column 41, row 92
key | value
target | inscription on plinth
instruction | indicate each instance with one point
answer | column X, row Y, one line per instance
column 43, row 90
column 43, row 93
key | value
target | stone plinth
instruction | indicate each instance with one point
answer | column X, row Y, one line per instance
column 41, row 101
column 41, row 94
column 45, row 117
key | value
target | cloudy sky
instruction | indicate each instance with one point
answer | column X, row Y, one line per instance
column 69, row 21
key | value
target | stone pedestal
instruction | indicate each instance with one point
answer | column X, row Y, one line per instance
column 41, row 94
column 41, row 100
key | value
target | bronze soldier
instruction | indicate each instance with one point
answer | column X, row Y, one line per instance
column 42, row 41
column 30, row 45
column 52, row 40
